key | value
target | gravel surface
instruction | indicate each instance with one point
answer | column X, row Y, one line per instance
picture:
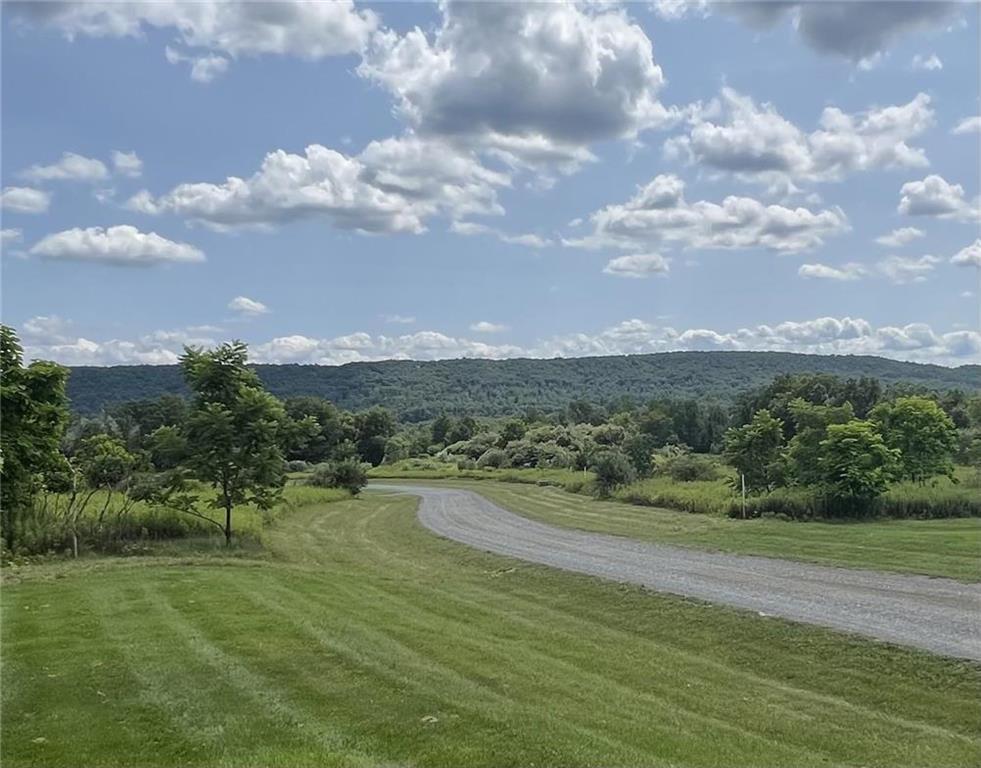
column 938, row 615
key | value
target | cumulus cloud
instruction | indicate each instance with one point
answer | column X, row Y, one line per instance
column 846, row 272
column 234, row 29
column 247, row 307
column 637, row 265
column 935, row 196
column 900, row 237
column 907, row 269
column 24, row 200
column 659, row 213
column 392, row 186
column 968, row 125
column 968, row 256
column 754, row 142
column 485, row 326
column 71, row 167
column 121, row 245
column 931, row 63
column 563, row 76
column 858, row 31
column 823, row 335
column 127, row 164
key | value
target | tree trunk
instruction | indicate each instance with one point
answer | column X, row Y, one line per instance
column 228, row 522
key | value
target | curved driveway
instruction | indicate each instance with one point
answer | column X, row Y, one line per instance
column 938, row 615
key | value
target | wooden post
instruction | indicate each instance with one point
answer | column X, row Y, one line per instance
column 742, row 477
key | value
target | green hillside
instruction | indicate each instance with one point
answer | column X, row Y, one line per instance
column 421, row 390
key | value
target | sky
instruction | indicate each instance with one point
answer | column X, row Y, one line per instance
column 336, row 182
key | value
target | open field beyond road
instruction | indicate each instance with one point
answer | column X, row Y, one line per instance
column 363, row 639
column 949, row 548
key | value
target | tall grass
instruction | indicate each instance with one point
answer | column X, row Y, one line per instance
column 423, row 469
column 110, row 524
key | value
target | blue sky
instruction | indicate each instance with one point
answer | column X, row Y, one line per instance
column 336, row 182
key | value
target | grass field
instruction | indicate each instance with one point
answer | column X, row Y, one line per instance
column 949, row 548
column 361, row 639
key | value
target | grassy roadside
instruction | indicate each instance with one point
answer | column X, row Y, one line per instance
column 365, row 640
column 950, row 548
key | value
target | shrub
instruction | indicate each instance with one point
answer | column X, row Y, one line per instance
column 492, row 458
column 612, row 470
column 688, row 467
column 349, row 474
column 297, row 466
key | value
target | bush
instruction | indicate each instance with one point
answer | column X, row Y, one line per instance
column 349, row 474
column 688, row 467
column 612, row 470
column 492, row 458
column 297, row 466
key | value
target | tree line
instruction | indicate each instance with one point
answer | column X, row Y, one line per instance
column 232, row 442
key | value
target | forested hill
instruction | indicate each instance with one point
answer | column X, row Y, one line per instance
column 421, row 390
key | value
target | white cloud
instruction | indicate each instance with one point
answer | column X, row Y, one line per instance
column 127, row 164
column 931, row 63
column 485, row 326
column 906, row 269
column 563, row 76
column 308, row 30
column 637, row 265
column 24, row 200
column 968, row 125
column 399, row 319
column 247, row 307
column 71, row 167
column 204, row 69
column 968, row 256
column 121, row 245
column 470, row 228
column 846, row 272
column 9, row 236
column 45, row 329
column 935, row 196
column 823, row 335
column 658, row 213
column 754, row 142
column 900, row 237
column 394, row 185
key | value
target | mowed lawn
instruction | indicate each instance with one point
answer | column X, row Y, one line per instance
column 950, row 548
column 362, row 639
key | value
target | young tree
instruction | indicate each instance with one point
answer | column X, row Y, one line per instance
column 855, row 464
column 34, row 409
column 924, row 435
column 811, row 427
column 233, row 430
column 754, row 449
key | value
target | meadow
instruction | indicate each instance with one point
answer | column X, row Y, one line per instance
column 355, row 637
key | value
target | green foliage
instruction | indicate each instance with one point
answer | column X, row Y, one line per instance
column 350, row 475
column 421, row 391
column 855, row 464
column 754, row 449
column 233, row 430
column 921, row 432
column 612, row 470
column 34, row 411
column 811, row 424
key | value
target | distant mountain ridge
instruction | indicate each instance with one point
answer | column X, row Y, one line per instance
column 420, row 390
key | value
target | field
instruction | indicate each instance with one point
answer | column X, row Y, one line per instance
column 360, row 639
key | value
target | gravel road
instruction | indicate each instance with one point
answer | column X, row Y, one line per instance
column 938, row 615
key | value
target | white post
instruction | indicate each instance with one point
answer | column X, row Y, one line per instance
column 743, row 478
